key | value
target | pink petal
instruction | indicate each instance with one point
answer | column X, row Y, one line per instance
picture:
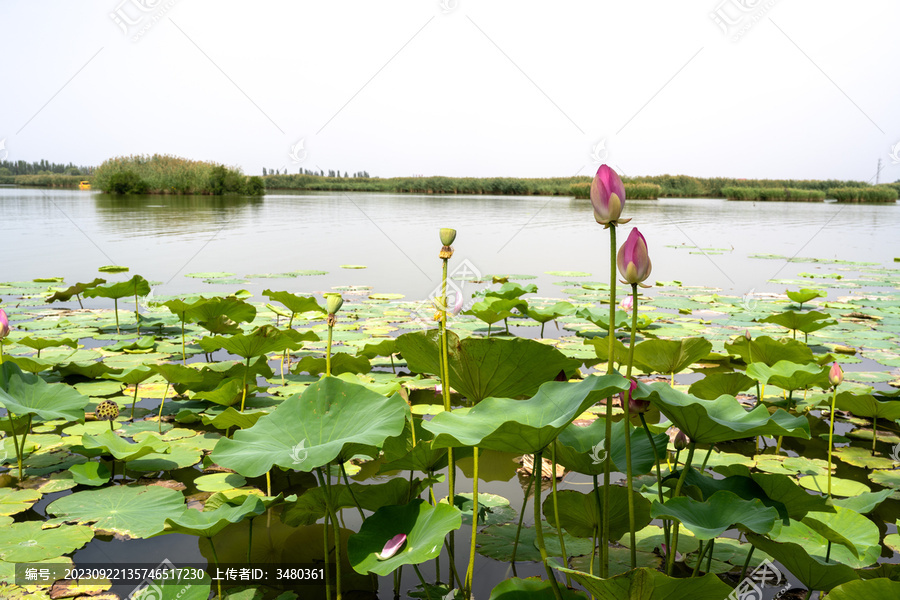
column 392, row 547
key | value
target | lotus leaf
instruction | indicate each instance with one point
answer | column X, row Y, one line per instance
column 812, row 571
column 479, row 367
column 722, row 419
column 90, row 473
column 522, row 425
column 816, row 545
column 310, row 507
column 714, row 385
column 873, row 589
column 341, row 363
column 580, row 514
column 331, row 419
column 110, row 443
column 581, row 448
column 670, row 356
column 493, row 309
column 209, row 523
column 425, row 528
column 790, row 376
column 26, row 394
column 15, row 501
column 27, row 542
column 767, row 350
column 724, row 509
column 532, row 589
column 261, row 341
column 649, row 584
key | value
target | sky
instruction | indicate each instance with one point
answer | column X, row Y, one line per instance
column 736, row 88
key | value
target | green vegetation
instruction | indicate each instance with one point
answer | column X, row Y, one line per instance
column 780, row 194
column 163, row 174
column 878, row 193
column 55, row 180
column 633, row 191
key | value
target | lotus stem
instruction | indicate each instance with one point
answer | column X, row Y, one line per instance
column 874, row 433
column 326, row 551
column 350, row 489
column 601, row 508
column 712, row 548
column 701, row 550
column 216, row 561
column 539, row 531
column 670, row 555
column 269, row 482
column 16, row 444
column 662, row 499
column 746, row 563
column 183, row 355
column 325, row 478
column 706, row 458
column 134, row 400
column 831, row 436
column 593, row 553
column 422, row 581
column 562, row 542
column 604, row 529
column 828, row 551
column 808, row 595
column 531, row 483
column 137, row 315
column 161, row 404
column 445, row 396
column 542, row 330
column 470, row 570
column 626, row 405
column 246, row 371
column 328, row 349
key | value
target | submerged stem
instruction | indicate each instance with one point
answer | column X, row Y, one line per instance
column 539, row 530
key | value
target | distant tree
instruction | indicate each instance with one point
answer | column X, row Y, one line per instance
column 264, row 172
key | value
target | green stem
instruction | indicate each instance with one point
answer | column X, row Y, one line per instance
column 116, row 308
column 874, row 433
column 670, row 555
column 626, row 405
column 12, row 428
column 712, row 548
column 702, row 552
column 808, row 595
column 445, row 396
column 422, row 581
column 746, row 563
column 247, row 370
column 562, row 542
column 134, row 400
column 350, row 489
column 161, row 404
column 610, row 367
column 542, row 330
column 328, row 352
column 22, row 447
column 137, row 315
column 471, row 568
column 327, row 552
column 216, row 561
column 831, row 437
column 706, row 459
column 658, row 474
column 528, row 489
column 249, row 538
column 183, row 355
column 539, row 530
column 828, row 551
column 329, row 507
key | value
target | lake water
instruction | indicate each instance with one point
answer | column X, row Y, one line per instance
column 72, row 233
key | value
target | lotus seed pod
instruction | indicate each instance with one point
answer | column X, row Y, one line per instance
column 448, row 236
column 107, row 410
column 334, row 304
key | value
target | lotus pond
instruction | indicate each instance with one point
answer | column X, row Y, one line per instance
column 270, row 416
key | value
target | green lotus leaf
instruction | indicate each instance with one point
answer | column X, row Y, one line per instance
column 141, row 345
column 790, row 376
column 87, row 369
column 722, row 419
column 769, row 351
column 217, row 482
column 846, row 527
column 227, row 393
column 723, row 510
column 14, row 501
column 601, row 348
column 599, row 316
column 341, row 362
column 549, row 313
column 209, row 523
column 425, row 527
column 110, row 443
column 30, row 364
column 782, row 491
column 331, row 419
column 714, row 385
column 866, row 405
column 295, row 304
column 582, row 448
column 816, row 545
column 812, row 571
column 263, row 340
column 42, row 343
column 382, row 348
column 73, row 290
column 482, row 367
column 864, row 503
column 310, row 507
column 136, row 286
column 113, row 269
column 873, row 589
column 805, row 295
column 493, row 309
column 649, row 584
column 27, row 542
column 670, row 356
column 90, row 473
column 131, row 511
column 232, row 418
column 839, row 486
column 177, row 457
column 580, row 515
column 511, row 290
column 532, row 588
column 807, row 322
column 522, row 425
column 861, row 457
column 26, row 394
column 210, row 310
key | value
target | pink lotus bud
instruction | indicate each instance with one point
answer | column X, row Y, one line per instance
column 747, row 334
column 835, row 375
column 634, row 405
column 4, row 324
column 457, row 304
column 392, row 547
column 607, row 196
column 633, row 259
column 627, row 303
column 679, row 439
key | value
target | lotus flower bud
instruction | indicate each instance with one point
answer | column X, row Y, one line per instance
column 634, row 405
column 680, row 441
column 627, row 303
column 633, row 259
column 747, row 335
column 607, row 196
column 392, row 547
column 4, row 324
column 107, row 411
column 835, row 375
column 448, row 236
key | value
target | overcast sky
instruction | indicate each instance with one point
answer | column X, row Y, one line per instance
column 741, row 88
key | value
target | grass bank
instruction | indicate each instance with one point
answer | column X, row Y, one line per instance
column 878, row 193
column 164, row 174
column 776, row 194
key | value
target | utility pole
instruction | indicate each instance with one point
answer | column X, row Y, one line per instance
column 878, row 172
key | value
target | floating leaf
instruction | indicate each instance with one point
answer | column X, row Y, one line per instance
column 14, row 501
column 531, row 589
column 90, row 473
column 649, row 584
column 27, row 542
column 209, row 523
column 110, row 443
column 425, row 527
